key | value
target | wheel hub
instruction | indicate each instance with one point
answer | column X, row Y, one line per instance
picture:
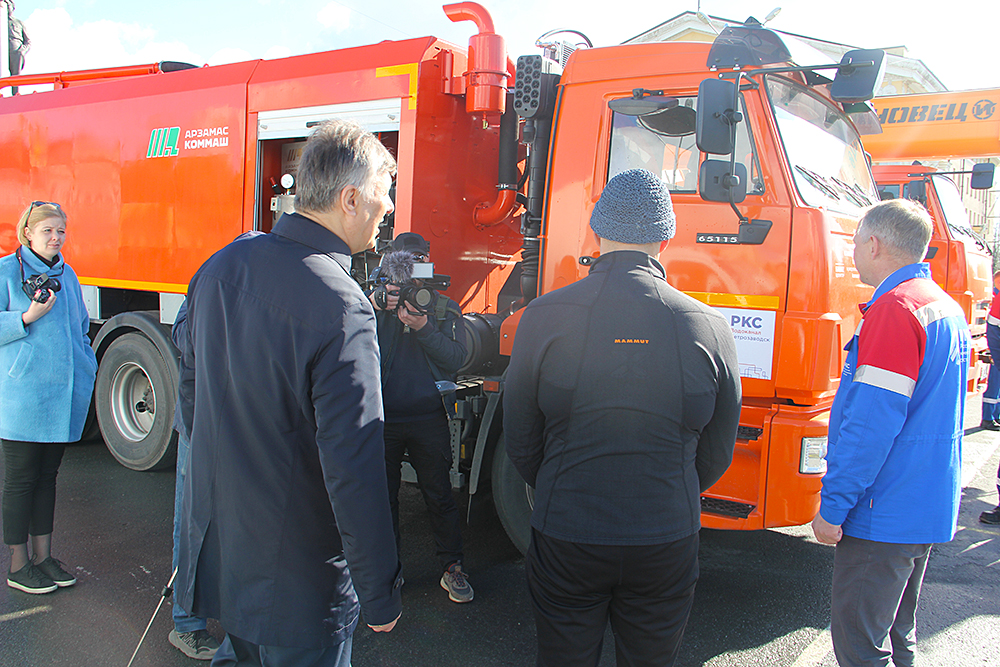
column 133, row 402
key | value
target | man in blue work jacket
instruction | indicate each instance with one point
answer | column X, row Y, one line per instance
column 285, row 525
column 894, row 478
column 991, row 397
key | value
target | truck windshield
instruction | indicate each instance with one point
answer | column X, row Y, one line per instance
column 823, row 148
column 955, row 213
column 664, row 143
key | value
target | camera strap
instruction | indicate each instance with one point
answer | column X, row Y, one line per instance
column 20, row 265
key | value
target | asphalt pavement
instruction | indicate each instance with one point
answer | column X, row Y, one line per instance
column 763, row 597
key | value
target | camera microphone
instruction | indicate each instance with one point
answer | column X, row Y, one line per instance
column 397, row 266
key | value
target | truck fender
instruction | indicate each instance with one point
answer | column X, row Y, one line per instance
column 146, row 322
column 489, row 432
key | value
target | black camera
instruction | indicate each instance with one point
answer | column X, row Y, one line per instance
column 37, row 287
column 416, row 281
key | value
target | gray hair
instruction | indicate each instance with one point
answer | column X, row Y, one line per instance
column 339, row 154
column 902, row 224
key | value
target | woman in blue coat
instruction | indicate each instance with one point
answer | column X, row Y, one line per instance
column 47, row 371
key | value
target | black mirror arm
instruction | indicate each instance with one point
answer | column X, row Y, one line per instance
column 733, row 117
column 847, row 67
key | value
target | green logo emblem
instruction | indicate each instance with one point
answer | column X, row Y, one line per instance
column 163, row 142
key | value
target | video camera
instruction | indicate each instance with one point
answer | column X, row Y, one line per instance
column 416, row 281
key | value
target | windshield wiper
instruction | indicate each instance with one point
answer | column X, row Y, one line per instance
column 855, row 195
column 818, row 182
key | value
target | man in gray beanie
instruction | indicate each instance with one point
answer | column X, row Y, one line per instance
column 621, row 406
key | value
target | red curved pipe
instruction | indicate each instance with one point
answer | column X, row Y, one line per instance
column 489, row 67
column 500, row 210
column 471, row 11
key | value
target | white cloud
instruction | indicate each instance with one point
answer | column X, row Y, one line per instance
column 276, row 52
column 229, row 55
column 335, row 16
column 57, row 44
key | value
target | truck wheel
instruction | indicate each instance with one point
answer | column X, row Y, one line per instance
column 135, row 404
column 513, row 498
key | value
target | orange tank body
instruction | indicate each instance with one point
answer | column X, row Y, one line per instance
column 158, row 169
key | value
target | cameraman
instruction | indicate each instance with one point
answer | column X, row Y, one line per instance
column 417, row 350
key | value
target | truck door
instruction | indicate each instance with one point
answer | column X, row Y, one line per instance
column 282, row 133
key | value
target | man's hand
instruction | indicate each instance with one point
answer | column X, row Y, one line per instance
column 391, row 298
column 415, row 321
column 826, row 532
column 385, row 628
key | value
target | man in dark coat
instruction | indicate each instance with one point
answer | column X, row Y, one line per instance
column 621, row 405
column 285, row 518
column 419, row 349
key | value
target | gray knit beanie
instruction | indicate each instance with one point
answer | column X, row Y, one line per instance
column 634, row 208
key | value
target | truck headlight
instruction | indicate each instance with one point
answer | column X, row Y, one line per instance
column 812, row 460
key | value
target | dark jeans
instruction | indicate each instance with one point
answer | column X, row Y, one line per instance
column 183, row 621
column 991, row 397
column 873, row 605
column 429, row 451
column 645, row 591
column 29, row 488
column 236, row 652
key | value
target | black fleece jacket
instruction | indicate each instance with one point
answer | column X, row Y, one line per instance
column 621, row 404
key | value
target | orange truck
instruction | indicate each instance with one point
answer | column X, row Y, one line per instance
column 943, row 126
column 499, row 167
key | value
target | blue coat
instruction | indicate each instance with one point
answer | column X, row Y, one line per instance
column 285, row 522
column 895, row 449
column 47, row 369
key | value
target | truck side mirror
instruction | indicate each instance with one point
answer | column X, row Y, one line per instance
column 917, row 191
column 858, row 84
column 982, row 176
column 717, row 119
column 717, row 181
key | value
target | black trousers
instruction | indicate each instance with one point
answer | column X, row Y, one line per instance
column 29, row 488
column 429, row 450
column 236, row 652
column 645, row 591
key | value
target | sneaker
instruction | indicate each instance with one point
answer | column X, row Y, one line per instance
column 992, row 517
column 455, row 582
column 197, row 644
column 30, row 580
column 52, row 569
column 990, row 425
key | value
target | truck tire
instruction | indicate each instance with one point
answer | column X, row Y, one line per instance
column 135, row 404
column 513, row 498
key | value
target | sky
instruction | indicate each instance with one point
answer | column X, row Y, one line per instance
column 958, row 46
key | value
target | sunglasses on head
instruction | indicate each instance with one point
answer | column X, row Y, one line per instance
column 35, row 204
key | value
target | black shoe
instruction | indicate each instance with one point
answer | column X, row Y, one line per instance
column 990, row 425
column 52, row 569
column 30, row 580
column 992, row 517
column 197, row 644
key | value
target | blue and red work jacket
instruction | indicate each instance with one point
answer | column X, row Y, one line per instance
column 993, row 329
column 894, row 457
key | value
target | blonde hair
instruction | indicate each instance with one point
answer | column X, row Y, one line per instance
column 34, row 214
